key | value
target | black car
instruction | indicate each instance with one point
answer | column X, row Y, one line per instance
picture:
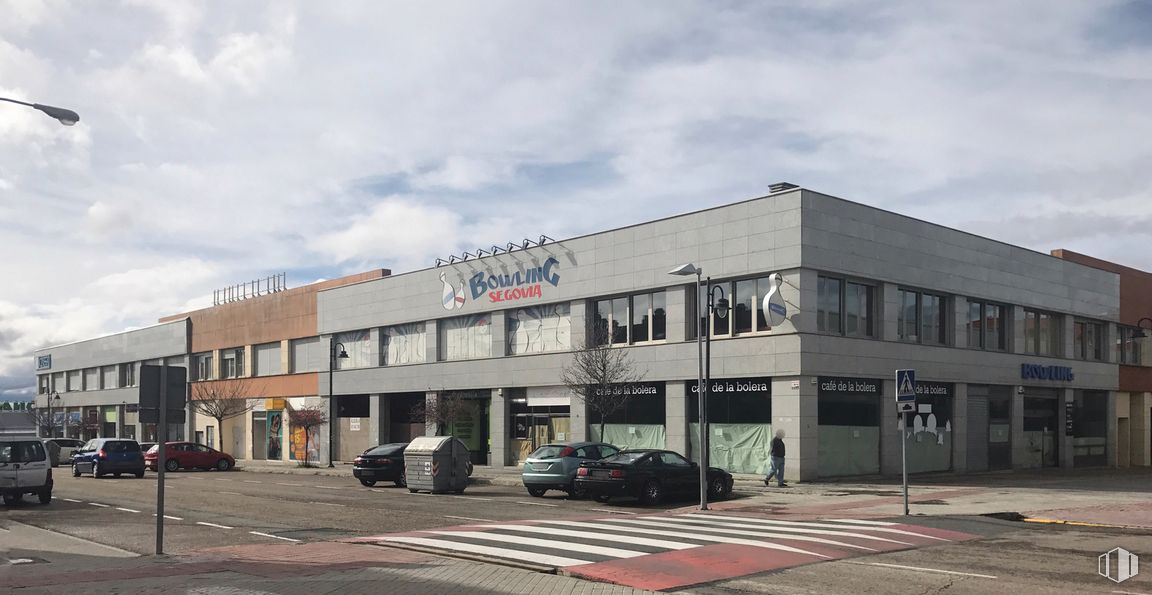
column 381, row 463
column 650, row 475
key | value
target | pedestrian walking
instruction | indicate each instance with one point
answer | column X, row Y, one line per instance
column 776, row 457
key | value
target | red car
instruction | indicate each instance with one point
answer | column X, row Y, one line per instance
column 189, row 455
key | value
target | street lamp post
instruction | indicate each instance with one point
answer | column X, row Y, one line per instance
column 66, row 117
column 1139, row 333
column 685, row 270
column 55, row 396
column 332, row 356
column 719, row 307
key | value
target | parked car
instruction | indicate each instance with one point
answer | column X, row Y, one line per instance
column 553, row 466
column 24, row 469
column 103, row 456
column 146, row 446
column 650, row 475
column 381, row 463
column 189, row 455
column 68, row 447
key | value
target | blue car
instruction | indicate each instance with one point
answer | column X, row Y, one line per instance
column 109, row 456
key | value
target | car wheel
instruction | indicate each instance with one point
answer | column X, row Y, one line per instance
column 75, row 470
column 412, row 490
column 652, row 492
column 403, row 481
column 717, row 489
column 116, row 474
column 96, row 470
column 536, row 492
column 367, row 482
column 576, row 493
column 11, row 499
column 223, row 465
column 45, row 495
column 171, row 464
column 602, row 499
column 140, row 474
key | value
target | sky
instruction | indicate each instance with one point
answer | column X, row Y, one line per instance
column 224, row 141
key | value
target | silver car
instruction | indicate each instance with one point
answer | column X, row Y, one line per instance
column 553, row 466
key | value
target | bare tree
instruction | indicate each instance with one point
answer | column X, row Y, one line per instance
column 224, row 399
column 308, row 418
column 599, row 376
column 446, row 408
column 45, row 422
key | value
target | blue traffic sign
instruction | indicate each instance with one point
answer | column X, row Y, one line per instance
column 905, row 385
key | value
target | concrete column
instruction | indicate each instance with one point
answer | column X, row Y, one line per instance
column 498, row 426
column 676, row 304
column 578, row 420
column 216, row 364
column 1017, row 330
column 249, row 445
column 249, row 365
column 1068, row 338
column 380, row 423
column 1111, row 343
column 1019, row 450
column 286, row 357
column 676, row 417
column 1111, row 446
column 794, row 410
column 432, row 341
column 578, row 323
column 960, row 427
column 430, row 400
column 499, row 336
column 1067, row 395
column 1140, row 413
column 888, row 327
column 959, row 332
column 120, row 421
column 890, row 430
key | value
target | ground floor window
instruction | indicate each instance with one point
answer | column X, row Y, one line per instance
column 928, row 437
column 638, row 424
column 1041, row 417
column 1090, row 428
column 536, row 425
column 403, row 422
column 848, row 413
column 739, row 415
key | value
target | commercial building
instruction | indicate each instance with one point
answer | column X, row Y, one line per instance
column 1015, row 351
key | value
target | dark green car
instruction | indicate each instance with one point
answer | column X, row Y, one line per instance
column 553, row 466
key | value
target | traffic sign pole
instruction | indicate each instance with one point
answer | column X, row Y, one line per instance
column 905, row 403
column 904, row 458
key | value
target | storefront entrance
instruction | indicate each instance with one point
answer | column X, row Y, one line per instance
column 1090, row 428
column 638, row 424
column 849, row 426
column 739, row 420
column 1041, row 419
column 537, row 416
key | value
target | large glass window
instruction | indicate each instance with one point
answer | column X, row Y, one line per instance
column 921, row 318
column 539, row 329
column 232, row 363
column 403, row 344
column 1129, row 346
column 204, row 366
column 641, row 309
column 466, row 337
column 127, row 375
column 845, row 307
column 743, row 304
column 1042, row 333
column 828, row 317
column 1088, row 340
column 632, row 319
column 745, row 313
column 620, row 320
column 908, row 321
column 857, row 310
column 659, row 317
column 358, row 345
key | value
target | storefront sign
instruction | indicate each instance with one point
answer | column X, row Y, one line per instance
column 514, row 287
column 639, row 389
column 44, row 362
column 1038, row 372
column 856, row 386
column 1069, row 414
column 14, row 405
column 925, row 388
column 734, row 385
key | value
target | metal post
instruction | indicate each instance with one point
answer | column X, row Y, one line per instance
column 162, row 437
column 700, row 394
column 331, row 402
column 904, row 458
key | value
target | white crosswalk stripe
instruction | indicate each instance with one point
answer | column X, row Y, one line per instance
column 563, row 543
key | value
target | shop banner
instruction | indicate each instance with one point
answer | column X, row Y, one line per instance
column 758, row 385
column 275, row 423
column 851, row 386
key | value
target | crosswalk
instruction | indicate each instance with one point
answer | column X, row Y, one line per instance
column 620, row 546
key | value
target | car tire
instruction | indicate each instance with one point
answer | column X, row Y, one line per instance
column 172, row 464
column 367, row 482
column 717, row 489
column 139, row 475
column 576, row 493
column 537, row 492
column 45, row 495
column 602, row 499
column 116, row 474
column 96, row 470
column 11, row 499
column 652, row 493
column 75, row 470
column 403, row 481
column 223, row 465
column 412, row 490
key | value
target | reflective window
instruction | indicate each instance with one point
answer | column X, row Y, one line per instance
column 539, row 329
column 828, row 317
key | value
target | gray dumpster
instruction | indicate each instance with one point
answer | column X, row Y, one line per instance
column 436, row 464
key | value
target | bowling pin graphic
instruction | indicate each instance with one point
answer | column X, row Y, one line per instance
column 773, row 305
column 448, row 297
column 459, row 299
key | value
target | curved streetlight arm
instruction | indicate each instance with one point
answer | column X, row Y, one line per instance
column 1140, row 332
column 66, row 117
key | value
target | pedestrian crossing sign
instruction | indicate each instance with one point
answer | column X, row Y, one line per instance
column 905, row 386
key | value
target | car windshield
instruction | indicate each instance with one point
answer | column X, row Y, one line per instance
column 386, row 449
column 121, row 446
column 625, row 457
column 550, row 451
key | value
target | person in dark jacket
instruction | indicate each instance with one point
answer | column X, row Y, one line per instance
column 777, row 461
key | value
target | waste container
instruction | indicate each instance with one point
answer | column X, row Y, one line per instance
column 436, row 464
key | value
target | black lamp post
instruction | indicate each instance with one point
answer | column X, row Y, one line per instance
column 55, row 396
column 1139, row 333
column 66, row 117
column 332, row 355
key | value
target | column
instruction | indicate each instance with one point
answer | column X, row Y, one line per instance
column 676, row 417
column 794, row 410
column 1063, row 438
column 380, row 422
column 249, row 365
column 1019, row 450
column 1017, row 330
column 120, row 411
column 890, row 431
column 430, row 402
column 1141, row 416
column 578, row 419
column 959, row 329
column 286, row 356
column 889, row 300
column 676, row 308
column 960, row 427
column 498, row 426
column 1111, row 445
column 1069, row 337
column 431, row 341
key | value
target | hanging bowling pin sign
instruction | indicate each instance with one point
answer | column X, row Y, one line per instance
column 773, row 304
column 451, row 298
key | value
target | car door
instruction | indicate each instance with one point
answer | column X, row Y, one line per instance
column 679, row 473
column 86, row 454
column 205, row 456
column 33, row 466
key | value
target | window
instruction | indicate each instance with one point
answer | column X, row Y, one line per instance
column 844, row 307
column 44, row 383
column 539, row 329
column 108, row 377
column 358, row 345
column 308, row 355
column 634, row 319
column 745, row 314
column 92, row 379
column 921, row 318
column 74, row 380
column 403, row 344
column 466, row 337
column 1088, row 340
column 127, row 375
column 232, row 363
column 204, row 366
column 1042, row 333
column 1129, row 346
column 209, row 435
column 266, row 359
column 985, row 326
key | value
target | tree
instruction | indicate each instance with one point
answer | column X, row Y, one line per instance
column 224, row 399
column 446, row 408
column 308, row 418
column 46, row 423
column 598, row 377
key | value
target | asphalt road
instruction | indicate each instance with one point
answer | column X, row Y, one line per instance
column 211, row 508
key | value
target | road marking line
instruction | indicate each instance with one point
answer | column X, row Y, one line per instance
column 764, row 533
column 127, row 509
column 331, row 487
column 418, row 494
column 473, row 498
column 214, row 525
column 694, row 537
column 919, row 569
column 598, row 550
column 539, row 504
column 807, row 524
column 498, row 552
column 71, row 500
column 274, row 536
column 862, row 522
column 468, row 518
column 295, row 485
column 99, row 504
column 327, row 504
column 611, row 511
column 218, row 479
column 742, row 529
column 252, row 481
column 661, row 543
column 231, row 493
column 174, row 518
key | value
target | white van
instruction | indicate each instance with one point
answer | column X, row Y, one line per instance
column 24, row 469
